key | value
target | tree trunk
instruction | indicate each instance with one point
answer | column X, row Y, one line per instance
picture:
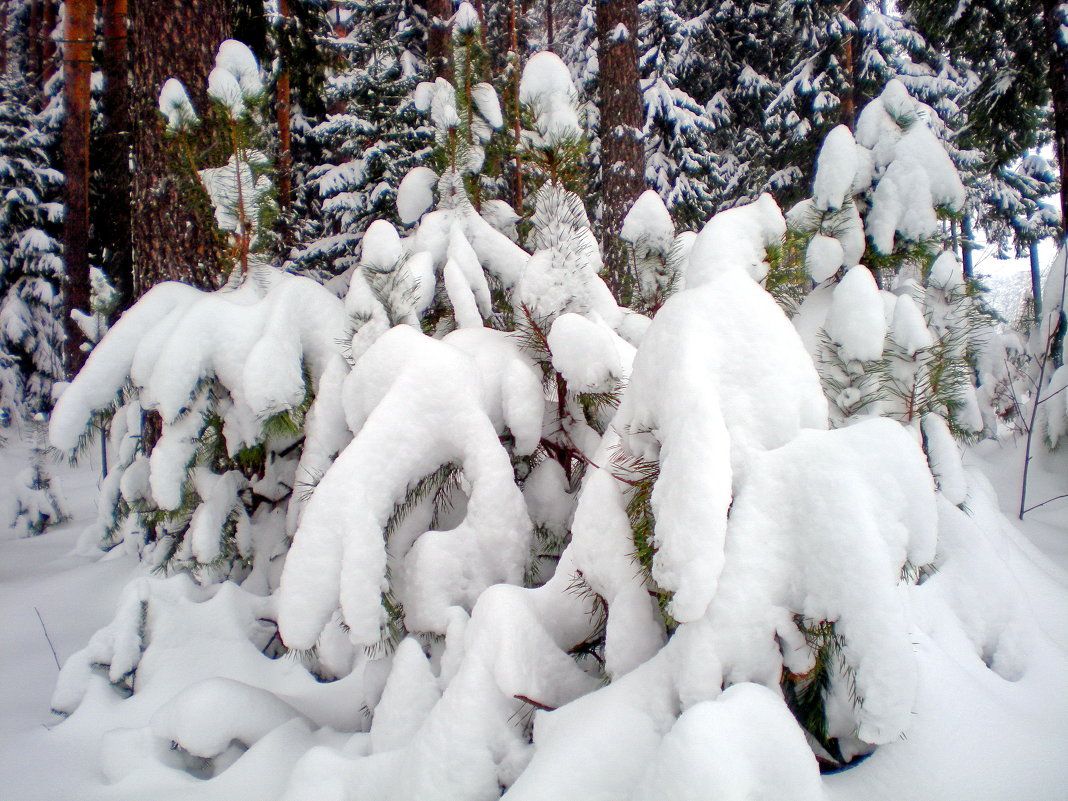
column 3, row 36
column 111, row 218
column 50, row 18
column 35, row 57
column 173, row 233
column 439, row 46
column 282, row 100
column 550, row 27
column 77, row 69
column 622, row 150
column 1057, row 59
column 851, row 50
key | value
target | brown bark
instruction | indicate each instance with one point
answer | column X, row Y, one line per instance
column 33, row 33
column 77, row 68
column 439, row 45
column 173, row 233
column 550, row 28
column 3, row 36
column 1057, row 59
column 622, row 150
column 111, row 218
column 285, row 144
column 50, row 17
column 850, row 57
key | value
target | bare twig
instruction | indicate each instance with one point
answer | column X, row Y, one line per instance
column 1051, row 500
column 45, row 630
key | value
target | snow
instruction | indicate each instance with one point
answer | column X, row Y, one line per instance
column 584, row 353
column 484, row 96
column 744, row 746
column 465, row 18
column 546, row 86
column 174, row 104
column 823, row 256
column 338, row 552
column 856, row 320
column 909, row 329
column 738, row 237
column 836, row 170
column 415, row 195
column 223, row 88
column 235, row 58
column 649, row 223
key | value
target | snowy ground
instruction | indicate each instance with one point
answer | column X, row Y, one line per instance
column 983, row 737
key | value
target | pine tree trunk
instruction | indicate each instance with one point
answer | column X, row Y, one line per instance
column 850, row 57
column 550, row 27
column 438, row 47
column 111, row 218
column 282, row 100
column 1057, row 59
column 622, row 150
column 50, row 18
column 77, row 69
column 173, row 233
column 35, row 57
column 3, row 36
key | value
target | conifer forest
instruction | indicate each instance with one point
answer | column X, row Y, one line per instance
column 571, row 400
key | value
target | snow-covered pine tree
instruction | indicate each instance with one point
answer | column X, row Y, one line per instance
column 31, row 330
column 37, row 499
column 372, row 135
column 226, row 379
column 678, row 131
column 913, row 344
column 839, row 55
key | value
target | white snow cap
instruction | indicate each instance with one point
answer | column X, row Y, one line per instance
column 439, row 98
column 415, row 195
column 238, row 60
column 547, row 87
column 465, row 18
column 738, row 237
column 174, row 104
column 649, row 223
column 836, row 169
column 823, row 257
column 856, row 320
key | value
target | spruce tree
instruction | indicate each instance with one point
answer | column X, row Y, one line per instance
column 31, row 265
column 678, row 131
column 372, row 136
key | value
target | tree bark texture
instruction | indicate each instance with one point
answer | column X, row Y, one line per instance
column 439, row 45
column 851, row 49
column 77, row 69
column 173, row 232
column 622, row 149
column 35, row 57
column 111, row 218
column 50, row 18
column 282, row 100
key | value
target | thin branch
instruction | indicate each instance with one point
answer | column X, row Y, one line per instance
column 45, row 630
column 1051, row 500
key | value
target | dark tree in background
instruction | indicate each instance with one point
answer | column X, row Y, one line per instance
column 1015, row 49
column 111, row 216
column 77, row 69
column 173, row 233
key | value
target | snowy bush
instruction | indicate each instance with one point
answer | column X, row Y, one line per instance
column 222, row 381
column 524, row 541
column 891, row 321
